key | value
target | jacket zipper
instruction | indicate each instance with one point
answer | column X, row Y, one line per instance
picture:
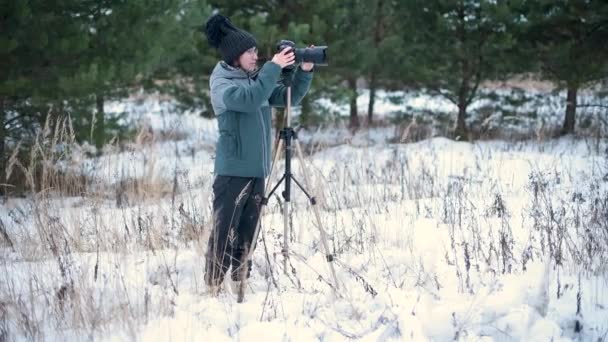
column 264, row 147
column 264, row 152
column 239, row 148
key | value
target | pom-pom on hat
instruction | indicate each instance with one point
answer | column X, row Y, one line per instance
column 229, row 40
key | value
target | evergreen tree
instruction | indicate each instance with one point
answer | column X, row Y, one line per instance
column 449, row 47
column 185, row 73
column 43, row 43
column 380, row 32
column 568, row 38
column 70, row 56
column 346, row 27
column 131, row 41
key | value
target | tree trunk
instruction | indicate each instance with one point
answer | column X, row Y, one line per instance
column 372, row 98
column 570, row 119
column 378, row 34
column 354, row 118
column 463, row 91
column 100, row 124
column 305, row 118
column 461, row 125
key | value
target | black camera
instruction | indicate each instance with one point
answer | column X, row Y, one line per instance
column 317, row 54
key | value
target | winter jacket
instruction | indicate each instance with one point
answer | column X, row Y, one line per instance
column 241, row 102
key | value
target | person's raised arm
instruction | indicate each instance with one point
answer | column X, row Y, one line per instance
column 301, row 80
column 242, row 98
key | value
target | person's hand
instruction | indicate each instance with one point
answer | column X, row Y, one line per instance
column 308, row 66
column 284, row 58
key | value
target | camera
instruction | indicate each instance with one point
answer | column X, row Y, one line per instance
column 316, row 55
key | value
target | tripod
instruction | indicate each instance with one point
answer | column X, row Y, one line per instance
column 287, row 140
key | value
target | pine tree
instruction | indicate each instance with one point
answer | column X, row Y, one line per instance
column 380, row 33
column 131, row 41
column 450, row 47
column 42, row 42
column 69, row 57
column 568, row 38
column 86, row 52
column 189, row 60
column 348, row 33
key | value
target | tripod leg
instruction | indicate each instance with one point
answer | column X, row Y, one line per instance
column 256, row 233
column 285, row 249
column 272, row 169
column 322, row 232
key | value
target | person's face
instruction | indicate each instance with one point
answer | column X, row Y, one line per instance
column 248, row 60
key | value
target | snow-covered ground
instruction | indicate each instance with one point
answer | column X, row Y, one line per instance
column 434, row 240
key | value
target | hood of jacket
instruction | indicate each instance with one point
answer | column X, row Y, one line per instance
column 224, row 70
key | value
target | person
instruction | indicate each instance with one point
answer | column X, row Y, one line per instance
column 241, row 97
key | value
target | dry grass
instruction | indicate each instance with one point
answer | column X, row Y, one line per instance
column 83, row 286
column 85, row 239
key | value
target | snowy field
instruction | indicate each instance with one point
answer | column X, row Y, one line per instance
column 434, row 240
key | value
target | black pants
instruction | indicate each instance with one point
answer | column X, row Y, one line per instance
column 236, row 208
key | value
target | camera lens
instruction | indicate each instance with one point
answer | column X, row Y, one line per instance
column 316, row 55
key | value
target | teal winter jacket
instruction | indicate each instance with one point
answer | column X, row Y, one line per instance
column 241, row 102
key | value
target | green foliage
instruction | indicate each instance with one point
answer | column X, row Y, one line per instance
column 76, row 51
column 67, row 58
column 568, row 38
column 450, row 47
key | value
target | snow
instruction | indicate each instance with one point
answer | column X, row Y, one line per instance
column 399, row 217
column 510, row 110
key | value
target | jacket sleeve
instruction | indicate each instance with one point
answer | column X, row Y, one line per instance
column 300, row 86
column 243, row 98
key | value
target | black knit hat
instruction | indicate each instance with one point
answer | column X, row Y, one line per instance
column 229, row 40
